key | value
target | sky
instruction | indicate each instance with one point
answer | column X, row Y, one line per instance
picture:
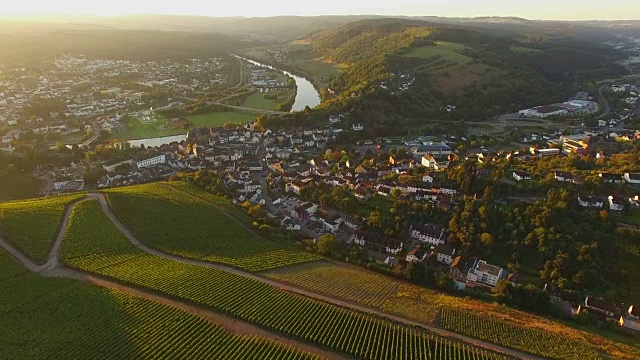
column 530, row 9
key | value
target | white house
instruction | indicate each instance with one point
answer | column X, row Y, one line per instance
column 632, row 179
column 615, row 203
column 485, row 273
column 428, row 233
column 446, row 254
column 588, row 201
column 357, row 127
column 428, row 179
column 563, row 176
column 160, row 159
column 521, row 175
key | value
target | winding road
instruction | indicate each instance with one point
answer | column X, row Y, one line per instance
column 53, row 268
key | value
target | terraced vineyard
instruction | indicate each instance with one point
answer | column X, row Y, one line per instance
column 302, row 318
column 529, row 340
column 31, row 225
column 170, row 220
column 49, row 318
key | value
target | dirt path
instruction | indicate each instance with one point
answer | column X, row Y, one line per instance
column 473, row 341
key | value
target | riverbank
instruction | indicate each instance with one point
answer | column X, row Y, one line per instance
column 307, row 93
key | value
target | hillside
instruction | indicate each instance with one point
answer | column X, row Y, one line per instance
column 411, row 69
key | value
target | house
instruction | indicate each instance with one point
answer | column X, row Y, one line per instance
column 563, row 176
column 428, row 233
column 361, row 194
column 430, row 162
column 632, row 179
column 357, row 127
column 417, row 254
column 252, row 186
column 610, row 178
column 384, row 191
column 630, row 324
column 295, row 186
column 485, row 273
column 616, row 203
column 330, row 220
column 445, row 253
column 428, row 179
column 378, row 242
column 521, row 175
column 68, row 184
column 304, row 211
column 354, row 222
column 152, row 161
column 588, row 201
column 437, row 150
column 600, row 309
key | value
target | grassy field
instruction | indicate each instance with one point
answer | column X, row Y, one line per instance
column 217, row 119
column 633, row 217
column 18, row 186
column 31, row 225
column 445, row 50
column 137, row 130
column 258, row 100
column 424, row 305
column 524, row 50
column 50, row 318
column 173, row 221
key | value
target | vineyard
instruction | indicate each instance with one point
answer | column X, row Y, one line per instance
column 170, row 220
column 507, row 334
column 366, row 288
column 355, row 284
column 302, row 318
column 31, row 225
column 48, row 318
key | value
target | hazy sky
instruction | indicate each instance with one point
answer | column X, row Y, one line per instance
column 530, row 9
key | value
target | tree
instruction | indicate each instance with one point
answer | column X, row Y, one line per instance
column 374, row 220
column 328, row 244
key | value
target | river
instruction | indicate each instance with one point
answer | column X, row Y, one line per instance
column 306, row 94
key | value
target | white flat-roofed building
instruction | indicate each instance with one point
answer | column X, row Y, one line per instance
column 160, row 159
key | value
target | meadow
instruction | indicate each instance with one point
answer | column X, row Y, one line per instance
column 31, row 225
column 218, row 119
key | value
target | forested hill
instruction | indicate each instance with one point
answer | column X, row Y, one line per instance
column 480, row 73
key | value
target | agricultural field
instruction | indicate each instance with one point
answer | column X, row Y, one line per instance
column 136, row 129
column 50, row 318
column 218, row 119
column 529, row 340
column 323, row 275
column 163, row 217
column 305, row 319
column 31, row 225
column 423, row 305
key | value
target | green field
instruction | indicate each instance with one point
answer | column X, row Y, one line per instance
column 258, row 100
column 18, row 186
column 445, row 50
column 51, row 318
column 31, row 225
column 217, row 119
column 524, row 50
column 529, row 340
column 335, row 328
column 137, row 130
column 172, row 221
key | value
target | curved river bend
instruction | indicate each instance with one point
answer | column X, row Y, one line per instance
column 306, row 94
